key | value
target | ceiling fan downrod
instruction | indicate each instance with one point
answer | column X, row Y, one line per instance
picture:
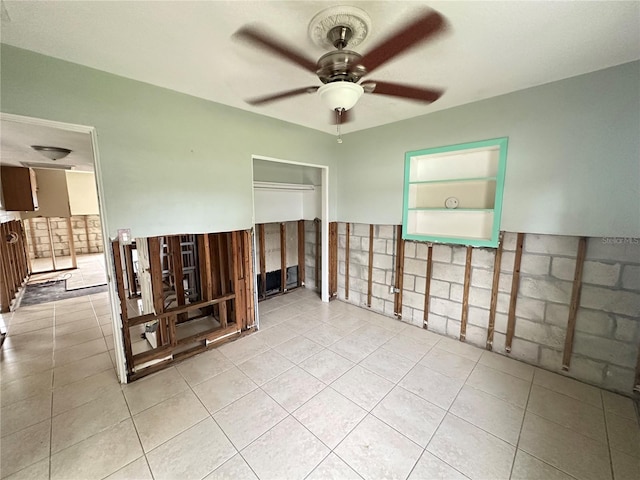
column 339, row 36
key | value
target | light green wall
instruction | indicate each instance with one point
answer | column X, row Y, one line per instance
column 573, row 163
column 170, row 162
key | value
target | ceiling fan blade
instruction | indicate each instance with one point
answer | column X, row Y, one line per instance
column 345, row 117
column 267, row 42
column 427, row 95
column 278, row 96
column 425, row 27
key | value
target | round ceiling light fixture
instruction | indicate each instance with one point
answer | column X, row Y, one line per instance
column 52, row 153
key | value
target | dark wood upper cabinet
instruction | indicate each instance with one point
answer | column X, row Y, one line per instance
column 19, row 189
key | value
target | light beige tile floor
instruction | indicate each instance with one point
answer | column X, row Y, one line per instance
column 320, row 392
column 91, row 270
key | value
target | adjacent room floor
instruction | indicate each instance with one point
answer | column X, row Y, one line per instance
column 321, row 391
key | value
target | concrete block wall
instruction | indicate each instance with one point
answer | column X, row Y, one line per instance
column 273, row 261
column 607, row 333
column 39, row 241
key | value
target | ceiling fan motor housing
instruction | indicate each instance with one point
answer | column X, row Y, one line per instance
column 340, row 66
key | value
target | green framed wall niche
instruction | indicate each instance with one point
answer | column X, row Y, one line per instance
column 453, row 194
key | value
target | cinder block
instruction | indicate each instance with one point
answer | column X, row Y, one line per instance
column 409, row 282
column 381, row 291
column 361, row 230
column 342, row 242
column 420, row 284
column 581, row 368
column 384, row 231
column 388, row 308
column 377, row 304
column 415, row 266
column 500, row 324
column 483, row 258
column 546, row 289
column 625, row 250
column 504, row 285
column 594, row 322
column 437, row 323
column 342, row 228
column 598, row 273
column 563, row 268
column 441, row 253
column 619, row 379
column 507, row 261
column 502, row 305
column 453, row 329
column 459, row 255
column 481, row 278
column 540, row 333
column 476, row 336
column 615, row 301
column 509, row 240
column 556, row 314
column 525, row 351
column 627, row 329
column 535, row 264
column 364, row 244
column 379, row 246
column 445, row 308
column 551, row 244
column 378, row 276
column 409, row 250
column 413, row 299
column 499, row 341
column 605, row 349
column 407, row 312
column 478, row 316
column 631, row 277
column 448, row 273
column 383, row 261
column 530, row 309
column 479, row 297
column 439, row 289
column 421, row 250
column 456, row 292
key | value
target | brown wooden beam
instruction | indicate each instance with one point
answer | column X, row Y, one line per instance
column 283, row 257
column 249, row 275
column 301, row 254
column 575, row 303
column 333, row 260
column 515, row 285
column 636, row 388
column 51, row 249
column 399, row 284
column 225, row 274
column 237, row 276
column 494, row 293
column 32, row 234
column 427, row 287
column 126, row 332
column 318, row 249
column 346, row 261
column 263, row 261
column 157, row 285
column 150, row 317
column 370, row 268
column 86, row 232
column 465, row 296
column 177, row 267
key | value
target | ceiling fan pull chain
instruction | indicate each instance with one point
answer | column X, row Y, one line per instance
column 339, row 122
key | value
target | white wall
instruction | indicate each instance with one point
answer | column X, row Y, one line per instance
column 83, row 196
column 573, row 162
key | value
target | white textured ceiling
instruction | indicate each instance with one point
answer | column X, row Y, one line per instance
column 492, row 48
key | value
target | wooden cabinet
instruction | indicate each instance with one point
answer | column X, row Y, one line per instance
column 19, row 189
column 453, row 194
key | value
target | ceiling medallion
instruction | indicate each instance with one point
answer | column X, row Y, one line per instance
column 353, row 17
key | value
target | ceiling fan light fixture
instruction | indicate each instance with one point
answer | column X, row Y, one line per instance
column 52, row 153
column 340, row 95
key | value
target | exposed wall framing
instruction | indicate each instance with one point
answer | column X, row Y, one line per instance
column 333, row 260
column 398, row 287
column 202, row 288
column 521, row 299
column 14, row 263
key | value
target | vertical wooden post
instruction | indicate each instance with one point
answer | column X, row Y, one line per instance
column 333, row 259
column 72, row 245
column 51, row 249
column 427, row 287
column 398, row 287
column 247, row 252
column 283, row 257
column 263, row 261
column 131, row 276
column 575, row 303
column 86, row 232
column 301, row 254
column 178, row 274
column 32, row 234
column 204, row 255
column 370, row 277
column 494, row 293
column 346, row 262
column 636, row 388
column 5, row 291
column 511, row 321
column 318, row 249
column 237, row 275
column 225, row 274
column 157, row 286
column 126, row 333
column 465, row 295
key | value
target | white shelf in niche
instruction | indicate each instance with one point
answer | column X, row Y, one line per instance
column 473, row 174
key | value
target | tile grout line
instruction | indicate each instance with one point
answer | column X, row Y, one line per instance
column 524, row 415
column 606, row 429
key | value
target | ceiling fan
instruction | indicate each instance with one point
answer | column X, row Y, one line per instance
column 342, row 70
